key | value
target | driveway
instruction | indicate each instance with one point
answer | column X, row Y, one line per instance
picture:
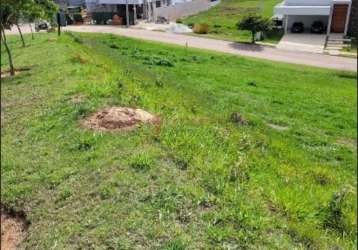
column 313, row 43
column 256, row 51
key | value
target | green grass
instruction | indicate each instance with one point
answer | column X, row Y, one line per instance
column 222, row 19
column 200, row 180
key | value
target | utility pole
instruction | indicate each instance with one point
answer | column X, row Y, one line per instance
column 127, row 14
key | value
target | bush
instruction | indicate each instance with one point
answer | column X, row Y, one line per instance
column 201, row 28
column 114, row 46
column 179, row 21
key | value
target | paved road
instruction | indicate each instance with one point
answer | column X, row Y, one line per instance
column 262, row 52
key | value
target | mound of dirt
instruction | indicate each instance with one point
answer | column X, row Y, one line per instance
column 13, row 231
column 119, row 118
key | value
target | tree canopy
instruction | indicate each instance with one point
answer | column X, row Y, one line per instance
column 12, row 11
column 254, row 23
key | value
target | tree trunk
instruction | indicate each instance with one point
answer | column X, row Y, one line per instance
column 22, row 38
column 58, row 23
column 253, row 33
column 32, row 32
column 3, row 38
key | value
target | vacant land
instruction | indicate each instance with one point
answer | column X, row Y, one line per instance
column 222, row 19
column 249, row 154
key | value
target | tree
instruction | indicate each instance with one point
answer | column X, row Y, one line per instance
column 16, row 14
column 11, row 11
column 37, row 9
column 33, row 10
column 6, row 14
column 254, row 23
column 21, row 36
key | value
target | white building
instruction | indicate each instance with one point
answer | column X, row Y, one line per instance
column 334, row 14
column 149, row 10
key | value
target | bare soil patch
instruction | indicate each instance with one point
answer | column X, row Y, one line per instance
column 6, row 73
column 13, row 230
column 350, row 143
column 277, row 127
column 78, row 99
column 119, row 118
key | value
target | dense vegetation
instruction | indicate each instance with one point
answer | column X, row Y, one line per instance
column 283, row 176
column 222, row 19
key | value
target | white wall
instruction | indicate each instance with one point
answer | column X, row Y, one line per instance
column 92, row 5
column 308, row 2
column 313, row 2
column 173, row 12
column 119, row 1
column 179, row 1
column 302, row 10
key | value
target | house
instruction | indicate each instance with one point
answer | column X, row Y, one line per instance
column 63, row 4
column 149, row 10
column 102, row 10
column 334, row 14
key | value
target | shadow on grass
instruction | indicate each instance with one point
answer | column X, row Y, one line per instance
column 246, row 46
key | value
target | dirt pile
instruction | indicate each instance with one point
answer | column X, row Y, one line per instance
column 13, row 231
column 119, row 118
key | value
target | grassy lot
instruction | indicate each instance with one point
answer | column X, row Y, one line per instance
column 285, row 180
column 222, row 19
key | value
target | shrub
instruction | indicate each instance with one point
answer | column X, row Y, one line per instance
column 114, row 46
column 201, row 28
